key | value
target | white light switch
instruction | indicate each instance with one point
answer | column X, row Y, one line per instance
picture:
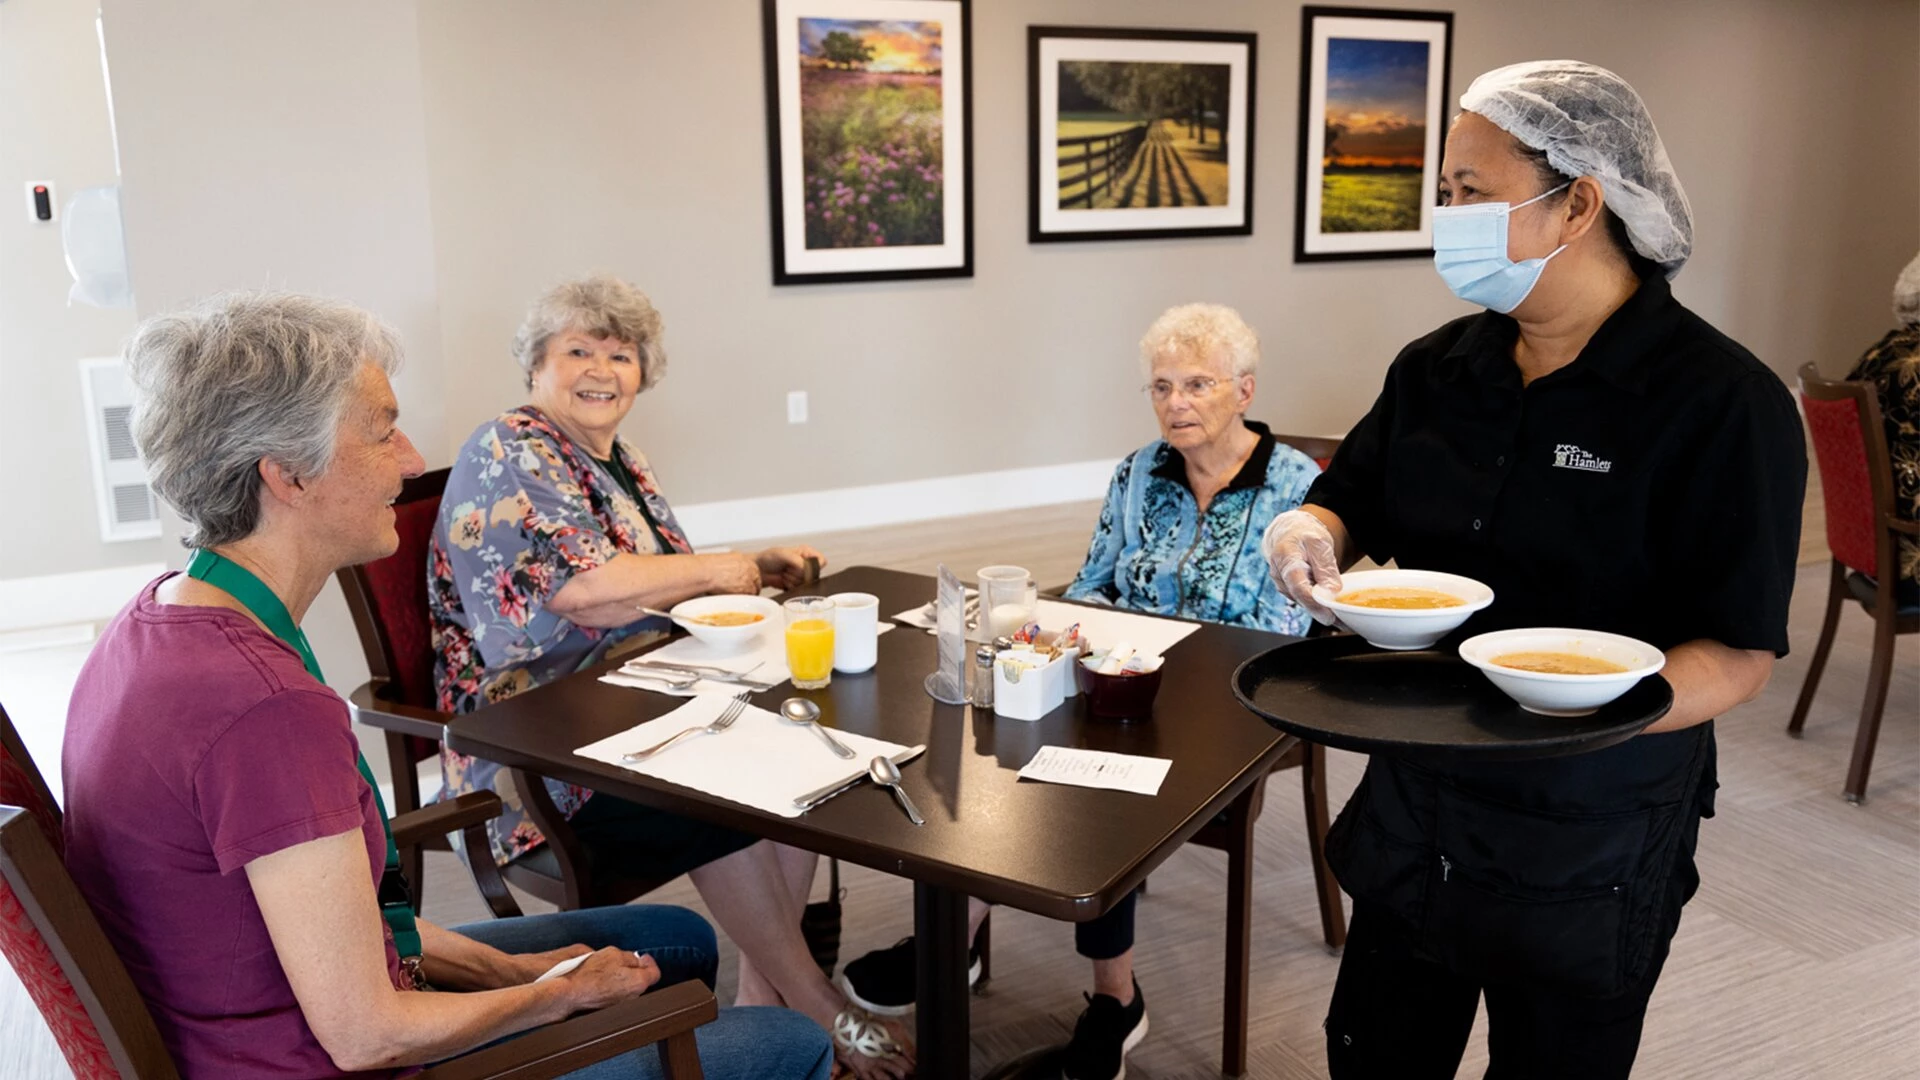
column 796, row 406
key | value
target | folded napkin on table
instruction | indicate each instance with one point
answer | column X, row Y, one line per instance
column 761, row 761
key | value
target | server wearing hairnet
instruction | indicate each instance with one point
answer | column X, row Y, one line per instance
column 1605, row 460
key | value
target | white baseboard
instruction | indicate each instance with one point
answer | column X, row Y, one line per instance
column 85, row 596
column 839, row 509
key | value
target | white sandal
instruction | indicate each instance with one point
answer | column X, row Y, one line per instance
column 856, row 1031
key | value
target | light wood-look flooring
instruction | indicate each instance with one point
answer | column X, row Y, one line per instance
column 1800, row 957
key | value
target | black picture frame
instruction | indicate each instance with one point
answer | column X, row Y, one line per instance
column 1192, row 213
column 797, row 260
column 1312, row 242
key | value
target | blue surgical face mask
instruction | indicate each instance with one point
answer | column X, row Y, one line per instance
column 1470, row 251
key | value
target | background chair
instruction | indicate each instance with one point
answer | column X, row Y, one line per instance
column 1863, row 530
column 102, row 1025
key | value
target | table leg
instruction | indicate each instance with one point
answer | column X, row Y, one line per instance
column 940, row 941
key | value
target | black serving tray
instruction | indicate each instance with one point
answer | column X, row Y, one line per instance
column 1344, row 693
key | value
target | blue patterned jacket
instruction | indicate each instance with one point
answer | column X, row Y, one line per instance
column 1153, row 552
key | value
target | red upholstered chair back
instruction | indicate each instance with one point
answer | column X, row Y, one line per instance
column 1318, row 447
column 56, row 947
column 1844, row 421
column 389, row 597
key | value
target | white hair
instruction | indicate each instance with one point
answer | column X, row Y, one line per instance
column 1200, row 330
column 602, row 306
column 240, row 377
column 1906, row 294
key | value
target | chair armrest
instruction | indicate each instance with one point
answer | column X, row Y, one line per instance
column 374, row 711
column 558, row 1049
column 442, row 818
column 1905, row 525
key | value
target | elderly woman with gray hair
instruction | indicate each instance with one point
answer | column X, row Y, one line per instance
column 552, row 534
column 218, row 818
column 1180, row 531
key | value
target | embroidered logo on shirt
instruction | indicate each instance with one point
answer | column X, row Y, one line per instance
column 1569, row 456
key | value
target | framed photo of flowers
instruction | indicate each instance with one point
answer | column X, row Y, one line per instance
column 869, row 139
column 1373, row 108
column 1135, row 134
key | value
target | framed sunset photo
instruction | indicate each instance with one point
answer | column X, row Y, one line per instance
column 869, row 139
column 1373, row 109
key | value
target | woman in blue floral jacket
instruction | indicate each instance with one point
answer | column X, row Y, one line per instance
column 552, row 534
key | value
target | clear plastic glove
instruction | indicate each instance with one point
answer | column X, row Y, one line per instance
column 1304, row 562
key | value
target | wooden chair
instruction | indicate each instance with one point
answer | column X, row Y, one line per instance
column 102, row 1024
column 388, row 600
column 1863, row 531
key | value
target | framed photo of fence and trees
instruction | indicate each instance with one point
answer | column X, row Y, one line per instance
column 869, row 139
column 1373, row 109
column 1137, row 134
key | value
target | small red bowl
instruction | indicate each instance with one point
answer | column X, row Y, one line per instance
column 1120, row 697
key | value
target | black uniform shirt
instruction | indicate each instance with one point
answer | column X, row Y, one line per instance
column 1650, row 488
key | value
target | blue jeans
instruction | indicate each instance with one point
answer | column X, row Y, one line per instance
column 750, row 1043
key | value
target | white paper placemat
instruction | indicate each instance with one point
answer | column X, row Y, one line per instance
column 1104, row 626
column 761, row 761
column 1097, row 769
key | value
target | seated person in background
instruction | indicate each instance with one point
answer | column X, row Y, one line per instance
column 218, row 817
column 1179, row 535
column 1892, row 365
column 552, row 535
column 1180, row 531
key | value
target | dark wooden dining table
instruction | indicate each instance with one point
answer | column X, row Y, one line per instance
column 1068, row 853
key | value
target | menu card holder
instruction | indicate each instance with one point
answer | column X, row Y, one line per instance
column 948, row 683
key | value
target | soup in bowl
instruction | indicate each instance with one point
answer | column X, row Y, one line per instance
column 1407, row 609
column 728, row 623
column 1560, row 672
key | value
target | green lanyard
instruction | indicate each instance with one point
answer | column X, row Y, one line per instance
column 396, row 905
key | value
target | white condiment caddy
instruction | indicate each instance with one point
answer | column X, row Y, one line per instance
column 1027, row 685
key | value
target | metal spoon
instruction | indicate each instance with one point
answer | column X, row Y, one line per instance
column 798, row 710
column 702, row 620
column 885, row 772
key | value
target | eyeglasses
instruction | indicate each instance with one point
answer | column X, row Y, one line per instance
column 1198, row 386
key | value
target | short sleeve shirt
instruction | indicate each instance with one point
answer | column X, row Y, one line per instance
column 1651, row 488
column 196, row 743
column 526, row 509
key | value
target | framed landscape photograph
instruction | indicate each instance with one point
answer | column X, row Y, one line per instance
column 869, row 139
column 1136, row 134
column 1373, row 111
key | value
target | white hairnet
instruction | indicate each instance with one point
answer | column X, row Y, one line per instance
column 1906, row 294
column 1591, row 123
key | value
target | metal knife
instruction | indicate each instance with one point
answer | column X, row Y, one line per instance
column 814, row 798
column 680, row 665
column 730, row 678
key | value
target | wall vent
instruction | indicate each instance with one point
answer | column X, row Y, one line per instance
column 127, row 506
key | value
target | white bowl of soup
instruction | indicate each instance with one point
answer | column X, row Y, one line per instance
column 1407, row 609
column 1559, row 672
column 728, row 623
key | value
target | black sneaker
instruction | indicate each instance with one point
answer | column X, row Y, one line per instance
column 882, row 982
column 1106, row 1033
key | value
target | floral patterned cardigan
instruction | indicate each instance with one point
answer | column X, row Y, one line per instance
column 524, row 511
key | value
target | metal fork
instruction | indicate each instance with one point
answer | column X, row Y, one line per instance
column 721, row 723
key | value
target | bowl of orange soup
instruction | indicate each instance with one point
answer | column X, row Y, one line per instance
column 728, row 623
column 1406, row 609
column 1560, row 672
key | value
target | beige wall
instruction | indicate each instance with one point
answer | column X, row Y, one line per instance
column 442, row 160
column 53, row 127
column 552, row 152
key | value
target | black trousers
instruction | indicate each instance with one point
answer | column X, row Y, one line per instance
column 1109, row 935
column 1398, row 1016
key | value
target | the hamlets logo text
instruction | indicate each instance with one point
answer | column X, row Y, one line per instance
column 1569, row 456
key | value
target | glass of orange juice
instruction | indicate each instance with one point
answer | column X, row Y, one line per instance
column 810, row 641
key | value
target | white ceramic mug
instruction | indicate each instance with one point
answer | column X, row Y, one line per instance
column 856, row 631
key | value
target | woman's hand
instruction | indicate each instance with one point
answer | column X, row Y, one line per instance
column 530, row 966
column 1304, row 559
column 731, row 572
column 608, row 976
column 786, row 567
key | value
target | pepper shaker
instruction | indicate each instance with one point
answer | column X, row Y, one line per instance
column 983, row 658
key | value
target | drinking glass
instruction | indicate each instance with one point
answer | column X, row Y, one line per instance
column 1007, row 600
column 810, row 641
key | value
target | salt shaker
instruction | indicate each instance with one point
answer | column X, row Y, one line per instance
column 983, row 677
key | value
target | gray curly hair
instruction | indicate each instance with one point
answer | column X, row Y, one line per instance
column 603, row 306
column 240, row 377
column 1906, row 294
column 1200, row 329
